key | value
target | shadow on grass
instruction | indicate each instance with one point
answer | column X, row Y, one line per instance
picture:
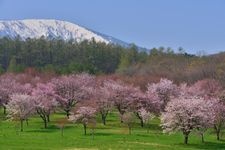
column 144, row 135
column 222, row 140
column 154, row 127
column 3, row 117
column 103, row 134
column 41, row 131
column 49, row 129
column 206, row 145
column 104, row 127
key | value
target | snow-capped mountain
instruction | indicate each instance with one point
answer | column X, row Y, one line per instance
column 35, row 28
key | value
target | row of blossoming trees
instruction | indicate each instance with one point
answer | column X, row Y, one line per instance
column 184, row 108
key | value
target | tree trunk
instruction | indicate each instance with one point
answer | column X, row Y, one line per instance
column 218, row 135
column 45, row 123
column 4, row 110
column 186, row 139
column 121, row 114
column 142, row 123
column 43, row 116
column 85, row 129
column 103, row 120
column 21, row 125
column 141, row 119
column 202, row 135
column 217, row 128
column 92, row 133
column 129, row 130
column 48, row 118
column 121, row 117
column 27, row 122
column 67, row 114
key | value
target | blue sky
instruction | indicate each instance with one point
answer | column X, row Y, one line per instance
column 195, row 25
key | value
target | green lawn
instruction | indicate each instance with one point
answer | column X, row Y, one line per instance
column 112, row 136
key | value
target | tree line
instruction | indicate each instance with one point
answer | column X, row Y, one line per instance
column 62, row 57
column 65, row 57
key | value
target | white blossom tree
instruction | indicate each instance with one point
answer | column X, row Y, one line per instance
column 165, row 90
column 186, row 114
column 83, row 115
column 20, row 108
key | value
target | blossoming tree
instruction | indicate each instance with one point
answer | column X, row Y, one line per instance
column 71, row 89
column 20, row 108
column 83, row 115
column 186, row 114
column 45, row 102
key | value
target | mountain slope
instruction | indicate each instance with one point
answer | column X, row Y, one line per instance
column 35, row 28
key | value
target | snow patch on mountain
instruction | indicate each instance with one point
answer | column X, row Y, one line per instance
column 36, row 28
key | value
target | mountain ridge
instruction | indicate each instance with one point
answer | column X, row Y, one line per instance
column 36, row 28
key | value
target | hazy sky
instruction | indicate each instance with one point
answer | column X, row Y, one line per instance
column 193, row 24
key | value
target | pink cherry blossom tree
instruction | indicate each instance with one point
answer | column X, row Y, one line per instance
column 144, row 103
column 138, row 101
column 72, row 89
column 206, row 119
column 20, row 108
column 211, row 89
column 145, row 116
column 218, row 116
column 7, row 83
column 165, row 90
column 207, row 88
column 83, row 115
column 153, row 102
column 44, row 99
column 10, row 86
column 104, row 101
column 186, row 114
column 121, row 95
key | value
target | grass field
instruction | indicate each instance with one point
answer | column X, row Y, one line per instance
column 112, row 136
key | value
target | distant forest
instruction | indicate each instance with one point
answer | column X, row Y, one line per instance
column 60, row 57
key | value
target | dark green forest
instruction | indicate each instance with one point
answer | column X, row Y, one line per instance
column 64, row 57
column 59, row 56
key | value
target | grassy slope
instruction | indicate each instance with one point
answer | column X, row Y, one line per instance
column 112, row 136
